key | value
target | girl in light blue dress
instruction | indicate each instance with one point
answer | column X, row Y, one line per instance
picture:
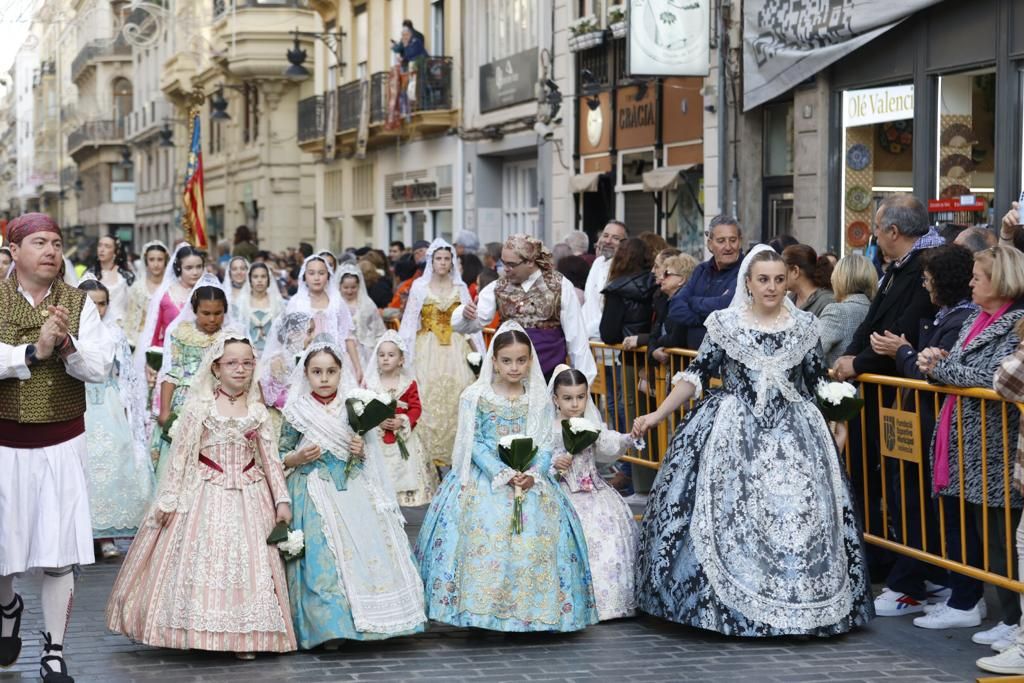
column 356, row 579
column 119, row 471
column 477, row 572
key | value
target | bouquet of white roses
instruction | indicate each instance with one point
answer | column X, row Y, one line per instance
column 475, row 361
column 838, row 401
column 367, row 409
column 578, row 434
column 517, row 452
column 290, row 542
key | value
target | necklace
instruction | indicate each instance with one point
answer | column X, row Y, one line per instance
column 231, row 398
column 324, row 400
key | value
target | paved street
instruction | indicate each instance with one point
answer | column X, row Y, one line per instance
column 643, row 649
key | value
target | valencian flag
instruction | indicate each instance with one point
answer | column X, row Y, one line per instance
column 194, row 216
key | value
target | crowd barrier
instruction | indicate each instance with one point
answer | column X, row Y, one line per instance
column 887, row 457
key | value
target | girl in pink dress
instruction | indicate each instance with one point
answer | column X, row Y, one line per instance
column 200, row 574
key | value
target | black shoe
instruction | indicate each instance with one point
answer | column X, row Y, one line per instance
column 52, row 668
column 10, row 646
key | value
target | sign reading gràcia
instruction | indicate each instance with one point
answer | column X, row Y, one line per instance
column 878, row 105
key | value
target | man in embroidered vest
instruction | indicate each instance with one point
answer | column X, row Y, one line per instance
column 535, row 295
column 51, row 343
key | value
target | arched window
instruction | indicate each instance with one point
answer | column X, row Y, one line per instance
column 122, row 89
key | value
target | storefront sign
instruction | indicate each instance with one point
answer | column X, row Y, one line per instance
column 967, row 202
column 122, row 192
column 669, row 37
column 636, row 120
column 878, row 105
column 415, row 191
column 785, row 42
column 508, row 81
column 901, row 434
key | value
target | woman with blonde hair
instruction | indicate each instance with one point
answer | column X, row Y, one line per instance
column 854, row 283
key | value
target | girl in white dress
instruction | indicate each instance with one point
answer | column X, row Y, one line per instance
column 367, row 325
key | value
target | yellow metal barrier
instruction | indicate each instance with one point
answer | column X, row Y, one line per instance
column 892, row 438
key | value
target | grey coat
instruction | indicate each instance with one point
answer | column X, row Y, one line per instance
column 838, row 322
column 975, row 366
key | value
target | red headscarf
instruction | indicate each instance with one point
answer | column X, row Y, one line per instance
column 29, row 223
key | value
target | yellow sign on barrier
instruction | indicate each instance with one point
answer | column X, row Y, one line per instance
column 900, row 434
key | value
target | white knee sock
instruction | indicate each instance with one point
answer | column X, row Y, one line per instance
column 6, row 598
column 57, row 595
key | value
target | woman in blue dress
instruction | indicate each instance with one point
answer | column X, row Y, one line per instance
column 356, row 579
column 750, row 529
column 476, row 571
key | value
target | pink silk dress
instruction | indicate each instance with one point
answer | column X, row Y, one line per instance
column 208, row 580
column 168, row 312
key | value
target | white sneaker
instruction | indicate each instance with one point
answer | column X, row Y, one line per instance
column 949, row 617
column 993, row 635
column 1004, row 645
column 895, row 604
column 1009, row 662
column 928, row 609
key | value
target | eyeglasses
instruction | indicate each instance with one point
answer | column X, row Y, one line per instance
column 234, row 364
column 668, row 274
column 513, row 264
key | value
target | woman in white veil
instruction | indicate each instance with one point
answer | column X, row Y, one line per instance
column 356, row 579
column 436, row 351
column 367, row 324
column 236, row 276
column 258, row 305
column 750, row 529
column 478, row 570
column 155, row 264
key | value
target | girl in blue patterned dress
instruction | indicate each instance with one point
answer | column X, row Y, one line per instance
column 356, row 579
column 476, row 571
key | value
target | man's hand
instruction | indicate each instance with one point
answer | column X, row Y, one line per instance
column 1011, row 222
column 660, row 355
column 469, row 312
column 844, row 368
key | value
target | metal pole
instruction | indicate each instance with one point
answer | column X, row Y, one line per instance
column 723, row 103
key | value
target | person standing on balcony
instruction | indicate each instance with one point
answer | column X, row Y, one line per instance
column 52, row 342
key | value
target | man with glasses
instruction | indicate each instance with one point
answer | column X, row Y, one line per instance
column 535, row 295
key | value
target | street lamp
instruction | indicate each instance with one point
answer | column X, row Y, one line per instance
column 219, row 105
column 166, row 136
column 296, row 72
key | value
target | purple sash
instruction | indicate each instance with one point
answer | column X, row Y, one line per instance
column 550, row 345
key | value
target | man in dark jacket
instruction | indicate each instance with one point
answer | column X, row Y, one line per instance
column 902, row 234
column 713, row 283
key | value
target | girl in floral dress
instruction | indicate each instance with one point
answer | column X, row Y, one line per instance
column 414, row 478
column 606, row 518
column 119, row 470
column 477, row 572
column 200, row 574
column 187, row 339
column 356, row 579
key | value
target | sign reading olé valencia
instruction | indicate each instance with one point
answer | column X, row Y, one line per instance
column 900, row 434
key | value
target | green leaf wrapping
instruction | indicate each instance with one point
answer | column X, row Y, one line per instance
column 847, row 409
column 278, row 535
column 576, row 443
column 519, row 455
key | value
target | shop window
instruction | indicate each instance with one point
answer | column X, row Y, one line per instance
column 396, row 227
column 685, row 226
column 639, row 211
column 965, row 158
column 632, row 166
column 778, row 139
column 878, row 141
column 442, row 220
column 510, row 27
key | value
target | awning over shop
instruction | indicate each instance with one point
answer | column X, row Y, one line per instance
column 662, row 179
column 584, row 182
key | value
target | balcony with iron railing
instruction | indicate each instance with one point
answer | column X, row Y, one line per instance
column 99, row 49
column 311, row 120
column 222, row 7
column 350, row 104
column 96, row 133
column 147, row 119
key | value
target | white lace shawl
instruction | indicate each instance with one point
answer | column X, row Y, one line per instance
column 187, row 315
column 537, row 423
column 335, row 320
column 367, row 326
column 418, row 293
column 228, row 286
column 242, row 308
column 153, row 310
column 132, row 390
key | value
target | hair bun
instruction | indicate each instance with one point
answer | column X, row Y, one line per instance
column 560, row 368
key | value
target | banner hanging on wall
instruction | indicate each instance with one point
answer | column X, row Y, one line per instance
column 669, row 37
column 785, row 42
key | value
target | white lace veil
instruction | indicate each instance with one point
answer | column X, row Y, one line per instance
column 418, row 293
column 335, row 320
column 538, row 399
column 327, row 426
column 590, row 413
column 741, row 297
column 228, row 286
column 187, row 315
column 367, row 326
column 241, row 307
column 287, row 341
column 174, row 493
column 372, row 375
column 153, row 310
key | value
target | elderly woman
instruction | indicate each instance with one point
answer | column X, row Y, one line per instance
column 986, row 338
column 947, row 276
column 854, row 282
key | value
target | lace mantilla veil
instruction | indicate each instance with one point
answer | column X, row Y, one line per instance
column 537, row 423
column 182, row 479
column 153, row 310
column 372, row 375
column 226, row 284
column 241, row 307
column 418, row 294
column 308, row 415
column 741, row 297
column 187, row 315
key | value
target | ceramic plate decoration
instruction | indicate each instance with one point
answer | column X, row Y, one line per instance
column 857, row 198
column 857, row 234
column 858, row 157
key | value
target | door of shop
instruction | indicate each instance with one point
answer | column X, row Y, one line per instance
column 519, row 198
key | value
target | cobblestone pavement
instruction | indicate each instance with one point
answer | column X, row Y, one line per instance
column 642, row 649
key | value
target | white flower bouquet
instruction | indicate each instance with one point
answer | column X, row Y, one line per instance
column 517, row 452
column 290, row 542
column 367, row 409
column 578, row 434
column 475, row 361
column 838, row 401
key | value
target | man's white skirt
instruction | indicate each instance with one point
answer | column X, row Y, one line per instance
column 44, row 507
